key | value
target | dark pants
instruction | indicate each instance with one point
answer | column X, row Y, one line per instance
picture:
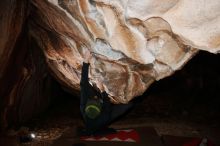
column 118, row 110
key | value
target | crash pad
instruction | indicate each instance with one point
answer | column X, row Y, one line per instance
column 144, row 136
column 124, row 135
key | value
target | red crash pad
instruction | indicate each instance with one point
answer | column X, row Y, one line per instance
column 144, row 136
column 126, row 135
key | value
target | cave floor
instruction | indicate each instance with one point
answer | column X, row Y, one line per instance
column 165, row 118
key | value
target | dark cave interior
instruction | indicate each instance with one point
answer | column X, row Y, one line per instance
column 34, row 99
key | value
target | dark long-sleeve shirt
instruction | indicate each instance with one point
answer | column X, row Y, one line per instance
column 87, row 91
column 109, row 111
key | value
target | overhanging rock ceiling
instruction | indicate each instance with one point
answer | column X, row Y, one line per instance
column 133, row 42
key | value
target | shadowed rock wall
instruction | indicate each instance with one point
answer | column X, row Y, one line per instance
column 25, row 84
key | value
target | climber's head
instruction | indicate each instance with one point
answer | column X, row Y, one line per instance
column 93, row 108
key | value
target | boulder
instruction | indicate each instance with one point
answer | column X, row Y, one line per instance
column 133, row 43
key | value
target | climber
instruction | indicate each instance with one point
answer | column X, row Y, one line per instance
column 95, row 106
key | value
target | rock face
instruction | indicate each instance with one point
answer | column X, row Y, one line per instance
column 25, row 84
column 133, row 42
column 12, row 54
